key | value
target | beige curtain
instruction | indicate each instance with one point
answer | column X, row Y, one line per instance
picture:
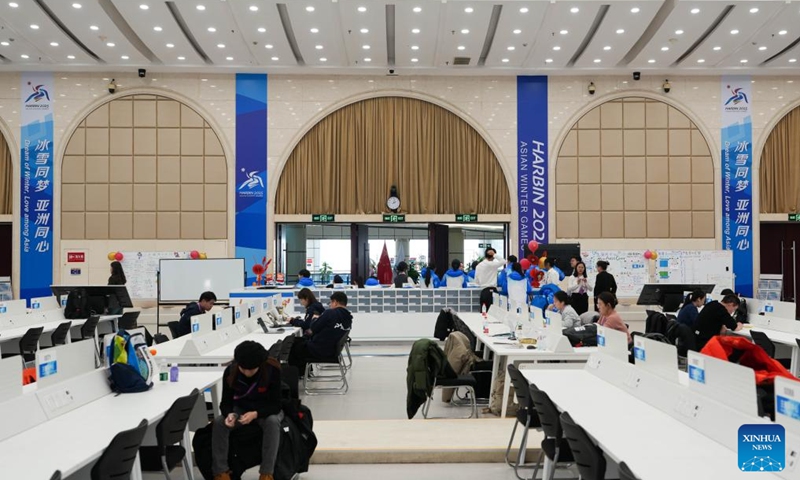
column 6, row 177
column 780, row 167
column 347, row 163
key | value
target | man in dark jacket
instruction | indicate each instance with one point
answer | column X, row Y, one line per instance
column 251, row 393
column 715, row 319
column 206, row 303
column 324, row 335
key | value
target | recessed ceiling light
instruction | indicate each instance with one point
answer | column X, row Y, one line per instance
column 754, row 10
column 548, row 60
column 564, row 32
column 556, row 48
column 111, row 44
column 220, row 45
column 678, row 32
column 635, row 10
column 95, row 28
column 24, row 56
column 253, row 8
column 464, row 31
column 144, row 6
column 261, row 29
column 462, row 47
column 517, row 31
column 309, row 8
column 695, row 11
column 229, row 58
column 365, row 47
column 717, row 49
column 201, row 7
column 362, row 9
column 523, row 10
column 511, row 48
column 71, row 57
column 124, row 57
column 417, row 9
column 35, row 27
column 323, row 59
column 620, row 31
column 268, row 46
column 782, row 32
column 744, row 60
column 414, row 47
column 792, row 60
column 364, row 30
column 367, row 60
column 701, row 60
column 734, row 32
column 505, row 60
column 664, row 49
column 76, row 5
column 212, row 29
column 414, row 60
column 158, row 29
column 762, row 48
column 170, row 45
column 13, row 5
column 5, row 44
column 607, row 48
column 574, row 10
column 275, row 59
column 415, row 30
column 53, row 44
column 319, row 47
column 181, row 58
column 468, row 10
column 651, row 61
column 597, row 60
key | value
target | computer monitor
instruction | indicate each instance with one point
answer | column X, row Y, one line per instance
column 669, row 295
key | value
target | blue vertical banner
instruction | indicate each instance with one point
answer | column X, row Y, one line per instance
column 737, row 178
column 532, row 123
column 36, row 185
column 251, row 170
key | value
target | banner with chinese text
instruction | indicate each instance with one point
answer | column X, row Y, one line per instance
column 36, row 182
column 737, row 181
column 532, row 124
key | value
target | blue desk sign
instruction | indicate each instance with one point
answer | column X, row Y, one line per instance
column 639, row 354
column 697, row 374
column 48, row 364
column 36, row 305
column 601, row 341
column 237, row 314
column 218, row 320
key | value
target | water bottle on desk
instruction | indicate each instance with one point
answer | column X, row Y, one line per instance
column 483, row 310
column 173, row 373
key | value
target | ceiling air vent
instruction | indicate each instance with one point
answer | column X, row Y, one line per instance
column 461, row 60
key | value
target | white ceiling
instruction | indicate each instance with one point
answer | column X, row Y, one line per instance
column 354, row 36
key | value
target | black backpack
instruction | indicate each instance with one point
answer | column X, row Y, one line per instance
column 583, row 336
column 77, row 305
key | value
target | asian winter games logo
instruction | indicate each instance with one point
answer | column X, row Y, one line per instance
column 40, row 98
column 762, row 448
column 252, row 186
column 738, row 100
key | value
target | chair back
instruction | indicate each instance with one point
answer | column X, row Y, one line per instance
column 275, row 350
column 588, row 456
column 59, row 335
column 526, row 414
column 762, row 340
column 547, row 412
column 454, row 282
column 128, row 320
column 117, row 460
column 341, row 343
column 286, row 348
column 625, row 472
column 160, row 338
column 56, row 475
column 174, row 329
column 29, row 342
column 170, row 429
column 88, row 328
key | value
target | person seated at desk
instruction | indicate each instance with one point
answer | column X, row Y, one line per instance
column 741, row 310
column 569, row 317
column 609, row 318
column 715, row 319
column 428, row 276
column 401, row 279
column 325, row 334
column 304, row 278
column 372, row 282
column 251, row 393
column 454, row 275
column 117, row 278
column 691, row 308
column 487, row 271
column 206, row 303
column 313, row 310
column 338, row 282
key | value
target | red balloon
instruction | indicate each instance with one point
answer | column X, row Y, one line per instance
column 533, row 245
column 525, row 263
column 119, row 256
column 194, row 254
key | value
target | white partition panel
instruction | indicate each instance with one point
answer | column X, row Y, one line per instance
column 58, row 364
column 656, row 357
column 612, row 343
column 10, row 378
column 787, row 403
column 45, row 303
column 13, row 307
column 726, row 382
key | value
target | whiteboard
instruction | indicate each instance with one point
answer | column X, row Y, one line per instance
column 629, row 268
column 184, row 280
column 141, row 271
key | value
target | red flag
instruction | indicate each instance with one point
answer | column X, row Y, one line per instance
column 384, row 267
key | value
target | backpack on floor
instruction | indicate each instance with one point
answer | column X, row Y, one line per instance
column 131, row 366
column 298, row 442
column 77, row 305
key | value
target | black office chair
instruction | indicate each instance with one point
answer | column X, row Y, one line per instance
column 29, row 343
column 625, row 472
column 340, row 377
column 588, row 456
column 171, row 451
column 526, row 416
column 286, row 349
column 89, row 328
column 554, row 445
column 117, row 460
column 128, row 321
column 56, row 475
column 160, row 338
column 174, row 329
column 59, row 335
column 762, row 340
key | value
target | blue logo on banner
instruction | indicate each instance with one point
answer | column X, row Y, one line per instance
column 532, row 186
column 762, row 448
column 697, row 374
column 601, row 341
column 639, row 354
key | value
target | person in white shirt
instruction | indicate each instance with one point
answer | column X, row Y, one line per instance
column 578, row 288
column 550, row 274
column 486, row 271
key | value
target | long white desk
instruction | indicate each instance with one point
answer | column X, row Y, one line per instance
column 74, row 440
column 653, row 444
column 170, row 352
column 783, row 338
column 515, row 353
column 18, row 332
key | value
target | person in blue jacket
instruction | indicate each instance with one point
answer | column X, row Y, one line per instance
column 517, row 274
column 372, row 282
column 455, row 272
column 428, row 277
column 502, row 278
column 472, row 268
column 304, row 278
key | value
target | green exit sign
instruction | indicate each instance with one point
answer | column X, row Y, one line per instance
column 466, row 217
column 794, row 217
column 323, row 218
column 394, row 218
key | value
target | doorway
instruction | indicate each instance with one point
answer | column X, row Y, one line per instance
column 779, row 256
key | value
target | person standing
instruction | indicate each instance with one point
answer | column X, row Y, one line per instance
column 502, row 278
column 579, row 288
column 429, row 279
column 117, row 278
column 486, row 271
column 551, row 276
column 401, row 279
column 604, row 282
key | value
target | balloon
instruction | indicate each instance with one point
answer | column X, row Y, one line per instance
column 654, row 255
column 525, row 264
column 541, row 262
column 533, row 245
column 203, row 255
column 194, row 254
column 118, row 256
column 648, row 254
column 112, row 255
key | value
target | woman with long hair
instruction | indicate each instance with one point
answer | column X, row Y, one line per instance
column 579, row 288
column 117, row 278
